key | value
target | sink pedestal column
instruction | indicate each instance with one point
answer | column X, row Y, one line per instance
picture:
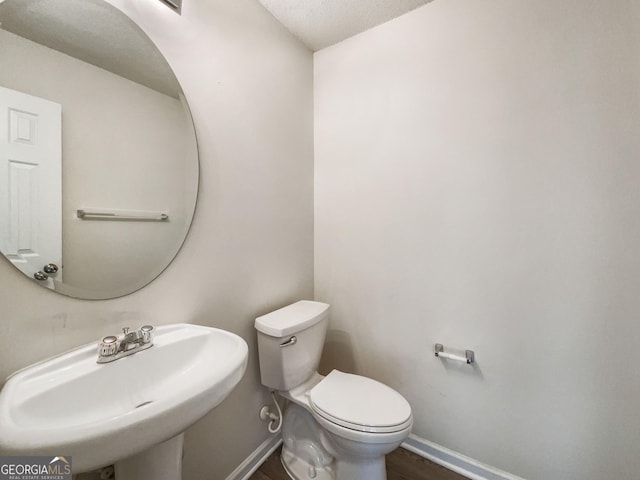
column 160, row 462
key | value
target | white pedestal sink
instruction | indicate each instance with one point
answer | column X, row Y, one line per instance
column 129, row 412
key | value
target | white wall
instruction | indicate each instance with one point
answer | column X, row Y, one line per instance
column 123, row 148
column 476, row 175
column 250, row 249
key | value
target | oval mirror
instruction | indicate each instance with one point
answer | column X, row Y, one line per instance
column 98, row 156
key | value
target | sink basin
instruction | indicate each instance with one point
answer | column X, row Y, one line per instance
column 101, row 413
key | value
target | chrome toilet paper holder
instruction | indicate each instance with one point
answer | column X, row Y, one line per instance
column 469, row 356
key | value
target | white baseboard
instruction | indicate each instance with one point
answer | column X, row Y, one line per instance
column 454, row 461
column 257, row 458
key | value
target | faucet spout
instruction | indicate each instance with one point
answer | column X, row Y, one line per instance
column 130, row 340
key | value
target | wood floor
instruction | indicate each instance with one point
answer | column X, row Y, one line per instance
column 401, row 465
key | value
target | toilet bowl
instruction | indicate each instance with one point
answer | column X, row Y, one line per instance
column 338, row 427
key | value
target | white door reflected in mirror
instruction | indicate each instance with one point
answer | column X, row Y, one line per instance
column 31, row 183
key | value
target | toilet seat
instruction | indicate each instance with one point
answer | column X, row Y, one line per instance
column 360, row 403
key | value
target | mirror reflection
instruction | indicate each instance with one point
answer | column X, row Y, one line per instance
column 98, row 158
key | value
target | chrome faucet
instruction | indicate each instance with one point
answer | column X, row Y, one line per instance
column 112, row 348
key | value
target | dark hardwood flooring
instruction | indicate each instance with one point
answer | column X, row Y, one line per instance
column 401, row 465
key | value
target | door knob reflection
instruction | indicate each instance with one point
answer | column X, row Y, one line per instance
column 40, row 276
column 50, row 268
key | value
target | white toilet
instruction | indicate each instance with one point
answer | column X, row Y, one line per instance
column 339, row 427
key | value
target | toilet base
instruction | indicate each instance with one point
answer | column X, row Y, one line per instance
column 298, row 469
column 303, row 456
column 371, row 469
column 309, row 452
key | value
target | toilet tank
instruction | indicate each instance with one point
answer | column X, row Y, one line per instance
column 290, row 342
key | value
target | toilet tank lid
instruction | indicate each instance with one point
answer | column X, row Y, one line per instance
column 292, row 318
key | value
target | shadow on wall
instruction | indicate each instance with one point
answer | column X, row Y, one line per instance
column 337, row 353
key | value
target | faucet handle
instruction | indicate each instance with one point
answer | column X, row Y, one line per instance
column 125, row 330
column 108, row 346
column 147, row 332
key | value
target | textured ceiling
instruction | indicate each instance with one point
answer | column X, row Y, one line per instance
column 92, row 31
column 320, row 23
